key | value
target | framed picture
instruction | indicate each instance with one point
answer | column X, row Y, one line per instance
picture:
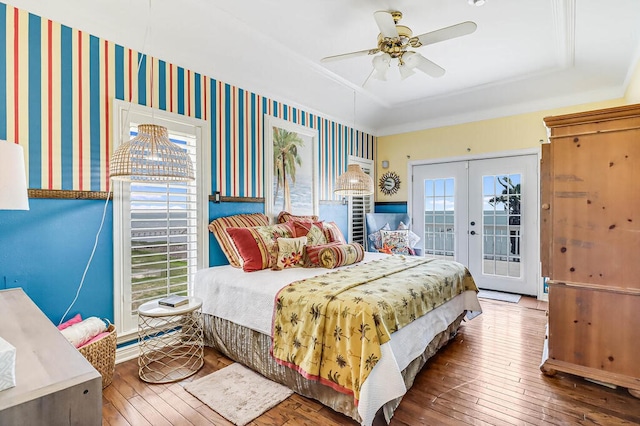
column 291, row 173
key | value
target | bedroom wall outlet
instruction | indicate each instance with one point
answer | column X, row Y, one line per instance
column 12, row 282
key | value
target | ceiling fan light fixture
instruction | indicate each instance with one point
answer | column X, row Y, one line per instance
column 405, row 71
column 407, row 64
column 381, row 66
column 477, row 2
column 394, row 40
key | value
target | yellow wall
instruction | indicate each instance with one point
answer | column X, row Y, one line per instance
column 632, row 95
column 500, row 134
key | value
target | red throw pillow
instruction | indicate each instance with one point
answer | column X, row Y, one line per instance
column 219, row 225
column 257, row 245
column 285, row 216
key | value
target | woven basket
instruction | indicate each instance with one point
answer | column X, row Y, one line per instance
column 102, row 355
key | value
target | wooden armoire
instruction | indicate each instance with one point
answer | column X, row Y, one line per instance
column 590, row 245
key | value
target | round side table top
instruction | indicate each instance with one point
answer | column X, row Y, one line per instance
column 153, row 309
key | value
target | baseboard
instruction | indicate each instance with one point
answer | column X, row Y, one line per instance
column 127, row 353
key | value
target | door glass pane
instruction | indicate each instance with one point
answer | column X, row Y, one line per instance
column 439, row 213
column 501, row 225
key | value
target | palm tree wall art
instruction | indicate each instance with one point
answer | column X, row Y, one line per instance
column 291, row 171
column 286, row 160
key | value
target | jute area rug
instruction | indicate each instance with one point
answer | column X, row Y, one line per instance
column 237, row 393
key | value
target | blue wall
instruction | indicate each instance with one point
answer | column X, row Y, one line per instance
column 336, row 212
column 216, row 210
column 397, row 207
column 45, row 251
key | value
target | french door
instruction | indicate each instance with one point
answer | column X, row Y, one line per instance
column 483, row 214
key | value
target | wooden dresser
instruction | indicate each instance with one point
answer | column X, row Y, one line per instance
column 55, row 384
column 590, row 224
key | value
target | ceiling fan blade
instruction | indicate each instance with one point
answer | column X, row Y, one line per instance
column 418, row 61
column 386, row 24
column 443, row 34
column 350, row 55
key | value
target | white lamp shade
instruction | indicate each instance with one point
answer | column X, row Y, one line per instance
column 405, row 71
column 13, row 180
column 381, row 66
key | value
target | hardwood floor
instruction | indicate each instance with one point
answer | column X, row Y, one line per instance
column 487, row 375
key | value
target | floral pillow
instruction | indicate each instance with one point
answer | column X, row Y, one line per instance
column 312, row 230
column 316, row 236
column 413, row 237
column 395, row 242
column 290, row 252
column 376, row 237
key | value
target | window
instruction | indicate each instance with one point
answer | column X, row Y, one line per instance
column 359, row 206
column 159, row 229
column 439, row 218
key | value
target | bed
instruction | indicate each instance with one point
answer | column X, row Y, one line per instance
column 238, row 309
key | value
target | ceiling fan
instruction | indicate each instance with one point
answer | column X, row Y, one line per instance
column 394, row 41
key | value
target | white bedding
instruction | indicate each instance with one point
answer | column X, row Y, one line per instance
column 226, row 290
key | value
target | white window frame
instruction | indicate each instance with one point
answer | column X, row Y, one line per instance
column 123, row 115
column 365, row 164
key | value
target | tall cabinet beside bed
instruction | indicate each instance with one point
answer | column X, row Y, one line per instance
column 590, row 243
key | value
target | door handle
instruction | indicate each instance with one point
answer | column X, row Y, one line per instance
column 473, row 232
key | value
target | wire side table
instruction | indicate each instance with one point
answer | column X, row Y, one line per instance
column 170, row 341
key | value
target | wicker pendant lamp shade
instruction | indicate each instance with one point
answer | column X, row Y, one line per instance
column 151, row 157
column 354, row 182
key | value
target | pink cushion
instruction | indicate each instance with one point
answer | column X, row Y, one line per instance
column 95, row 339
column 70, row 322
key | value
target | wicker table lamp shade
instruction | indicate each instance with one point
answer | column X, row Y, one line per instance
column 151, row 157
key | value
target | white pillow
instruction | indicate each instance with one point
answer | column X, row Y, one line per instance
column 413, row 237
column 376, row 237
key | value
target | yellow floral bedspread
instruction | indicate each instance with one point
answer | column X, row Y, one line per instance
column 330, row 327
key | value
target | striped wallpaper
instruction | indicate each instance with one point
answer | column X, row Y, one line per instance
column 57, row 85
